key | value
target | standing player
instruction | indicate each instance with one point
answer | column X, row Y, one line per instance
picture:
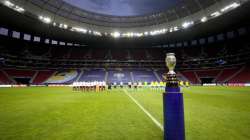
column 129, row 85
column 121, row 84
column 135, row 85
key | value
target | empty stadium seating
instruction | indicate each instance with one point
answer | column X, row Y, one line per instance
column 4, row 79
column 63, row 77
column 20, row 73
column 119, row 75
column 242, row 77
column 144, row 75
column 207, row 73
column 42, row 76
column 190, row 75
column 226, row 73
column 93, row 75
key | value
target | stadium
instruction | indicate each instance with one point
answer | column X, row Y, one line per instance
column 99, row 70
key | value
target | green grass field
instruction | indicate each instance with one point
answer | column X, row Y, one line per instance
column 49, row 113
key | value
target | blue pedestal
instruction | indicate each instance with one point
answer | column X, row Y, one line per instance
column 173, row 108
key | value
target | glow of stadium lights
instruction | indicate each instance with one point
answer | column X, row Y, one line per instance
column 116, row 34
column 203, row 19
column 215, row 14
column 231, row 6
column 77, row 29
column 13, row 6
column 61, row 25
column 139, row 34
column 176, row 28
column 97, row 33
column 19, row 9
column 8, row 3
column 65, row 26
column 171, row 30
column 46, row 20
column 187, row 24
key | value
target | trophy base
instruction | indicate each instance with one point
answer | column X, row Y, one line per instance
column 172, row 81
column 173, row 109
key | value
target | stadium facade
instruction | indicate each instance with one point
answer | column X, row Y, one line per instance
column 53, row 42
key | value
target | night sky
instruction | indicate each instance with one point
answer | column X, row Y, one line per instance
column 123, row 7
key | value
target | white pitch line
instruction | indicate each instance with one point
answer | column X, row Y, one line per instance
column 144, row 110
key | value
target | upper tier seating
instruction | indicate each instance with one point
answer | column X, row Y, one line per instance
column 207, row 73
column 19, row 73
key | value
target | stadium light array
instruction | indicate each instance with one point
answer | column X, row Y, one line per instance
column 13, row 6
column 78, row 29
column 64, row 26
column 184, row 25
column 132, row 34
column 97, row 33
column 215, row 14
column 157, row 32
column 203, row 19
column 187, row 24
column 116, row 34
column 8, row 3
column 230, row 7
column 44, row 19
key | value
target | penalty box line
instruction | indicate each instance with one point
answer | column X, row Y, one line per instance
column 144, row 110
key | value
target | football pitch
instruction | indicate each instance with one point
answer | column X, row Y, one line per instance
column 58, row 113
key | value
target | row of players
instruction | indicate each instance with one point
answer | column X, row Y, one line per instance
column 100, row 86
column 89, row 86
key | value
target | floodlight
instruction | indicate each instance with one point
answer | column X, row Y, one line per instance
column 230, row 6
column 203, row 19
column 187, row 24
column 46, row 20
column 116, row 34
column 8, row 3
column 215, row 14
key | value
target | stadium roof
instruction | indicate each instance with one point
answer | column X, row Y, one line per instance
column 123, row 7
column 154, row 18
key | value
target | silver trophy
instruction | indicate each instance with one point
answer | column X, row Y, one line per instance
column 171, row 62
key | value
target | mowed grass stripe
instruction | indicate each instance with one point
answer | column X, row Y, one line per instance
column 211, row 113
column 59, row 113
column 144, row 110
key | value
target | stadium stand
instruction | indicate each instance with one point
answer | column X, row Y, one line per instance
column 190, row 75
column 225, row 59
column 119, row 75
column 208, row 73
column 226, row 73
column 4, row 78
column 242, row 77
column 91, row 75
column 19, row 73
column 144, row 75
column 63, row 77
column 42, row 76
